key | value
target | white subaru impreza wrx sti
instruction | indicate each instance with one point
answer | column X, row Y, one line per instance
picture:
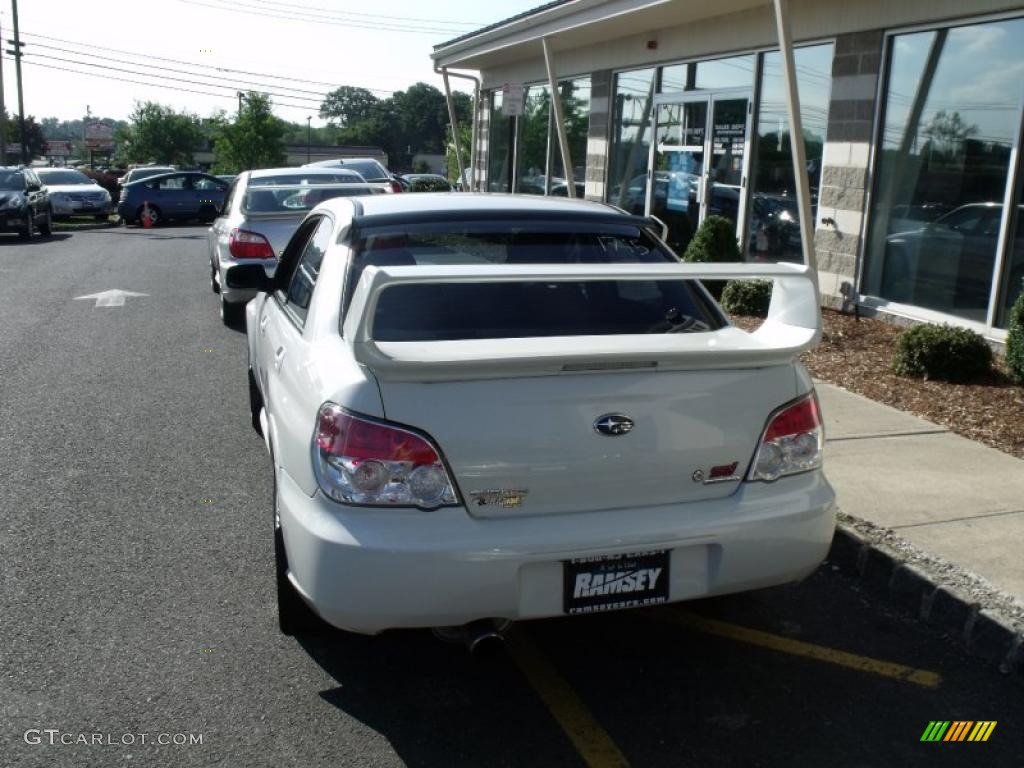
column 486, row 407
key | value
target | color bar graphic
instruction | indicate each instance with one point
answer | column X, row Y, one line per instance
column 958, row 730
column 935, row 730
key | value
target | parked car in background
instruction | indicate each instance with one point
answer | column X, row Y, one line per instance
column 182, row 195
column 485, row 408
column 371, row 170
column 227, row 177
column 144, row 172
column 427, row 182
column 72, row 193
column 24, row 203
column 261, row 212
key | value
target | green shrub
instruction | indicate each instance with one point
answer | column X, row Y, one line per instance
column 942, row 352
column 429, row 184
column 1015, row 341
column 714, row 242
column 747, row 297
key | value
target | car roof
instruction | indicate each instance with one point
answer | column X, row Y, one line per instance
column 475, row 204
column 303, row 171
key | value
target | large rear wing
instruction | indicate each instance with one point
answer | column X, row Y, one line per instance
column 792, row 327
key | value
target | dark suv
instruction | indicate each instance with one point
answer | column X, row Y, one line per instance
column 24, row 203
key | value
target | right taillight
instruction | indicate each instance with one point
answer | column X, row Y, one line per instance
column 792, row 441
column 369, row 462
column 244, row 244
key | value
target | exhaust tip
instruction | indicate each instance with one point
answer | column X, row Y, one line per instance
column 483, row 638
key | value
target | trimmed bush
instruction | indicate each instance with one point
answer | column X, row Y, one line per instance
column 429, row 185
column 714, row 243
column 747, row 297
column 1015, row 341
column 942, row 352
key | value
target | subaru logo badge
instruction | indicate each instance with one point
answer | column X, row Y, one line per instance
column 613, row 424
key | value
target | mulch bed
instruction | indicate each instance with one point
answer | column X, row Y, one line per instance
column 857, row 355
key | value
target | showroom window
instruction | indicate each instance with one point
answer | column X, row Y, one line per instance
column 774, row 231
column 499, row 147
column 951, row 119
column 532, row 140
column 575, row 96
column 630, row 147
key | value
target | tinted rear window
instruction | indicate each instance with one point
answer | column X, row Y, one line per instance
column 447, row 312
column 305, row 178
column 368, row 169
column 296, row 198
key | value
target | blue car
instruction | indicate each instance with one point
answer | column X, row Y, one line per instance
column 181, row 195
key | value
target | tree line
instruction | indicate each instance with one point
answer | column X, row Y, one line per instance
column 405, row 123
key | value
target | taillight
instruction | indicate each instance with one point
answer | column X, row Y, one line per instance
column 244, row 244
column 374, row 463
column 792, row 441
column 395, row 186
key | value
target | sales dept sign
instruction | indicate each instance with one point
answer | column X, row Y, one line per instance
column 512, row 99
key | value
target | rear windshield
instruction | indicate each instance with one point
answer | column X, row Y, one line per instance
column 297, row 198
column 448, row 312
column 370, row 170
column 306, row 178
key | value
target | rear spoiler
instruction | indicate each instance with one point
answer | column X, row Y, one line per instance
column 792, row 327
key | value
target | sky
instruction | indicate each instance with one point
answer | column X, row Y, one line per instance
column 384, row 45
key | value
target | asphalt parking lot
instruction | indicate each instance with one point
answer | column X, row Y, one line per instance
column 137, row 590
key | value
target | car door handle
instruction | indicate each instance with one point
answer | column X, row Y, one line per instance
column 263, row 324
column 278, row 358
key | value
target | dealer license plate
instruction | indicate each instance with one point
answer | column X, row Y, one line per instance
column 608, row 583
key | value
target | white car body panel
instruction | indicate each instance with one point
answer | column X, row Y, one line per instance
column 508, row 415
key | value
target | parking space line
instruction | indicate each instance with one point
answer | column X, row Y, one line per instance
column 592, row 741
column 921, row 677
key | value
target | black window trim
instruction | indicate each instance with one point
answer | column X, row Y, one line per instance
column 280, row 294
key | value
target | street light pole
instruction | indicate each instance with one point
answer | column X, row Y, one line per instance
column 17, row 71
column 308, row 129
column 3, row 110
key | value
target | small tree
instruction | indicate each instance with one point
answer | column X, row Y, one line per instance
column 714, row 242
column 1015, row 341
column 253, row 140
column 158, row 134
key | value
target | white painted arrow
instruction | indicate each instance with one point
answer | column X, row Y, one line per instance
column 112, row 298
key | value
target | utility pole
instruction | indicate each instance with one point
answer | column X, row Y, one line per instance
column 308, row 124
column 17, row 72
column 240, row 97
column 3, row 110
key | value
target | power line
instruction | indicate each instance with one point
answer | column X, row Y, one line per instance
column 334, row 11
column 317, row 101
column 318, row 94
column 151, row 85
column 255, row 10
column 192, row 64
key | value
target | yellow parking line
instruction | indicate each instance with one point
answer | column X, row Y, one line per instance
column 591, row 740
column 689, row 620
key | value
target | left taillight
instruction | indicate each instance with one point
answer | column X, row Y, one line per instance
column 792, row 441
column 371, row 462
column 244, row 244
column 396, row 186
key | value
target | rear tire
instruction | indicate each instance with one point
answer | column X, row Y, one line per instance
column 213, row 279
column 255, row 404
column 156, row 216
column 231, row 313
column 294, row 617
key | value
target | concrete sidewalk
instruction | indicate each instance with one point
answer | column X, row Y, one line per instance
column 950, row 496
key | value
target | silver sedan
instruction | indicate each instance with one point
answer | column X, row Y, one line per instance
column 261, row 211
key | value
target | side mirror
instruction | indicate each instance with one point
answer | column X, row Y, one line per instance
column 249, row 277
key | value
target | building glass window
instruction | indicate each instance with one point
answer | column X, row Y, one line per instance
column 951, row 115
column 499, row 147
column 629, row 152
column 575, row 96
column 734, row 72
column 675, row 78
column 1012, row 283
column 774, row 217
column 532, row 136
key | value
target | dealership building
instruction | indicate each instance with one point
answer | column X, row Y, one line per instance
column 911, row 115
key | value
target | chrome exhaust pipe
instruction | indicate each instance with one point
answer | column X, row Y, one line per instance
column 483, row 638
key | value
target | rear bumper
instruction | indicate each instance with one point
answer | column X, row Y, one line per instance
column 234, row 295
column 366, row 570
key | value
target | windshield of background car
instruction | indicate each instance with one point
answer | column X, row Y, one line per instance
column 296, row 198
column 310, row 178
column 56, row 178
column 12, row 180
column 368, row 169
column 452, row 311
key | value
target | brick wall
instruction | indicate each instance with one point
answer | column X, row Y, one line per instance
column 843, row 189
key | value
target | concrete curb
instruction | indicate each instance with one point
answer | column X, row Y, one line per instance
column 985, row 632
